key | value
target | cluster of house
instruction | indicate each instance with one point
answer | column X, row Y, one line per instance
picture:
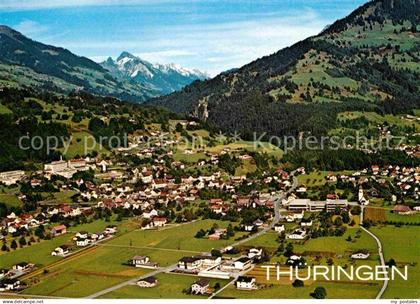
column 11, row 177
column 406, row 179
column 13, row 223
column 26, row 221
column 202, row 286
column 160, row 187
column 217, row 266
column 83, row 238
column 159, row 190
column 9, row 278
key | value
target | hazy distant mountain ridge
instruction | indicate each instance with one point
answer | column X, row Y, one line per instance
column 28, row 63
column 25, row 62
column 162, row 78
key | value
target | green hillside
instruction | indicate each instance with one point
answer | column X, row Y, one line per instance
column 366, row 61
column 27, row 63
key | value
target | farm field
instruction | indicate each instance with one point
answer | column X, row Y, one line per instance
column 275, row 291
column 40, row 253
column 337, row 245
column 99, row 268
column 177, row 237
column 268, row 240
column 9, row 196
column 375, row 214
column 107, row 262
column 378, row 214
column 403, row 245
column 394, row 217
column 170, row 286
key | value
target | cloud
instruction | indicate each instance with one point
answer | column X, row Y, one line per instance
column 166, row 56
column 213, row 47
column 211, row 35
column 31, row 28
column 15, row 5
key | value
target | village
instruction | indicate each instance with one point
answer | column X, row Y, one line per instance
column 162, row 192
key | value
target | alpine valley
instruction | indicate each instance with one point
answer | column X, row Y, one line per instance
column 110, row 189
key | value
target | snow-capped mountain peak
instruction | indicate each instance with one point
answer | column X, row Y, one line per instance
column 164, row 78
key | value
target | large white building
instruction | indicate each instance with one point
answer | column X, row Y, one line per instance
column 65, row 168
column 11, row 177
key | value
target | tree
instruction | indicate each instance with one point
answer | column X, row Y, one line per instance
column 281, row 248
column 39, row 231
column 356, row 210
column 297, row 283
column 216, row 253
column 179, row 127
column 230, row 232
column 3, row 210
column 338, row 221
column 200, row 234
column 319, row 293
column 13, row 245
column 345, row 217
column 391, row 263
column 22, row 241
column 289, row 250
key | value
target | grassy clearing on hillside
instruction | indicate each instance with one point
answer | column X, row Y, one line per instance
column 313, row 179
column 375, row 118
column 11, row 200
column 81, row 144
column 4, row 109
column 246, row 166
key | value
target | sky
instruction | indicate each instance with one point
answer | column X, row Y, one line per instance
column 209, row 35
